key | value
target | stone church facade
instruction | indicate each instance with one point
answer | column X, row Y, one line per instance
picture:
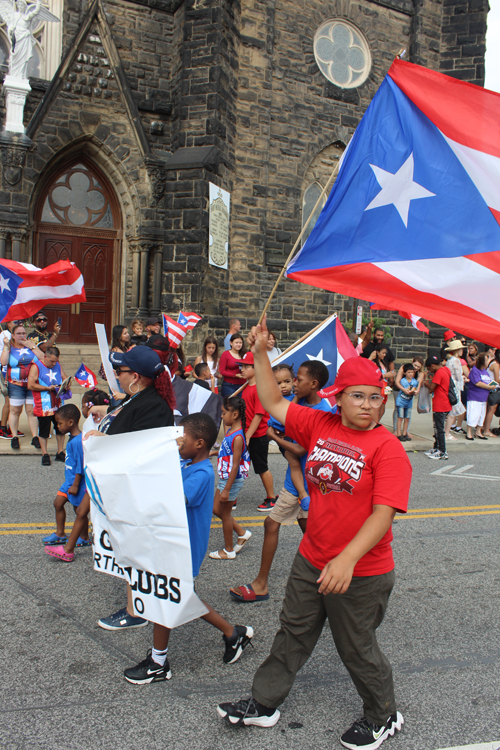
column 155, row 99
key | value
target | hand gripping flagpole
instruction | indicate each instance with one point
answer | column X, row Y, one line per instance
column 325, row 190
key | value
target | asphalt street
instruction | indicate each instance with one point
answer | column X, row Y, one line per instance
column 63, row 685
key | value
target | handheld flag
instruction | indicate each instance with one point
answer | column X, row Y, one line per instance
column 61, row 281
column 412, row 221
column 415, row 320
column 329, row 344
column 173, row 331
column 188, row 320
column 9, row 283
column 85, row 377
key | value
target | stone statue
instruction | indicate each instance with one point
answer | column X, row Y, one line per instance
column 21, row 20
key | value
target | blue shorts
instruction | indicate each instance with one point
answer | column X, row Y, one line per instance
column 235, row 488
column 404, row 412
column 19, row 394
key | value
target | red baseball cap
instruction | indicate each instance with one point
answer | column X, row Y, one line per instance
column 449, row 334
column 354, row 371
column 247, row 359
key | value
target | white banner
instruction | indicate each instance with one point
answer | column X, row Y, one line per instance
column 139, row 521
column 103, row 349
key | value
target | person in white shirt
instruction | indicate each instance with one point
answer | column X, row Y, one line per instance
column 273, row 352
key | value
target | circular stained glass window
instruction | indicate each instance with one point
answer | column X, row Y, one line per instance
column 342, row 54
column 78, row 198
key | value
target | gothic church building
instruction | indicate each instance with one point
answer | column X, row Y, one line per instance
column 137, row 105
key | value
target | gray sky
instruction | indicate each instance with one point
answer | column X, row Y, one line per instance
column 493, row 47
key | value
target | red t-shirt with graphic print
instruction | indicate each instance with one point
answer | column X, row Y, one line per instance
column 348, row 472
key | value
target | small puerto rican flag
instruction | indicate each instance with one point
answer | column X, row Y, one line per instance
column 173, row 331
column 188, row 320
column 85, row 377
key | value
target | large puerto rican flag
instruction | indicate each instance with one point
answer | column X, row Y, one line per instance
column 329, row 344
column 412, row 221
column 25, row 289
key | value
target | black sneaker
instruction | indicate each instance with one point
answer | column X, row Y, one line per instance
column 267, row 505
column 36, row 443
column 121, row 620
column 148, row 671
column 249, row 712
column 369, row 736
column 14, row 443
column 61, row 456
column 236, row 645
column 45, row 459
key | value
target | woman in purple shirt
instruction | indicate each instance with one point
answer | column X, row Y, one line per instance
column 480, row 386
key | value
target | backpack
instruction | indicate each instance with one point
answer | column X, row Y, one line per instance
column 452, row 392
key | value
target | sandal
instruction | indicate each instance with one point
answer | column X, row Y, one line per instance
column 481, row 437
column 218, row 555
column 248, row 594
column 246, row 536
column 60, row 553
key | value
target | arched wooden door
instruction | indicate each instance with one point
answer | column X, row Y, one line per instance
column 79, row 221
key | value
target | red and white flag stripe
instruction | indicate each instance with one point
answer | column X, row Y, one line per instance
column 61, row 281
column 174, row 331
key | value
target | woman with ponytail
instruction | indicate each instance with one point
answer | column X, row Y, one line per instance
column 232, row 466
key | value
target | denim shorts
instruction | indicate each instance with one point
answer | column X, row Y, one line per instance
column 19, row 394
column 404, row 412
column 235, row 488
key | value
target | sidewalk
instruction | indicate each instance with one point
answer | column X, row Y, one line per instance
column 420, row 430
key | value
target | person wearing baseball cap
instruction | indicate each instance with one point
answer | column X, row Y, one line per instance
column 438, row 383
column 149, row 403
column 358, row 476
column 153, row 326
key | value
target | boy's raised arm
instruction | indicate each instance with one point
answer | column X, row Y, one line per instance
column 267, row 388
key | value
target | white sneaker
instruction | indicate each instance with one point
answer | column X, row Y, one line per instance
column 431, row 452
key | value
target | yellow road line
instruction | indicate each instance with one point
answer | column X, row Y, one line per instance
column 414, row 513
column 28, row 531
column 24, row 525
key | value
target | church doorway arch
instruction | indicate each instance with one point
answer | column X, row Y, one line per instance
column 77, row 218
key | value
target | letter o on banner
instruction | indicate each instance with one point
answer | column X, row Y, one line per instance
column 139, row 605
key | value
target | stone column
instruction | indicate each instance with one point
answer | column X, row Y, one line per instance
column 136, row 270
column 3, row 242
column 157, row 280
column 144, row 278
column 17, row 239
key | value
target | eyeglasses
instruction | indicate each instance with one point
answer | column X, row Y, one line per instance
column 359, row 399
column 41, row 320
column 120, row 370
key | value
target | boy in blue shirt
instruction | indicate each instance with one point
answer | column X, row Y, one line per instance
column 293, row 500
column 73, row 489
column 200, row 433
column 404, row 400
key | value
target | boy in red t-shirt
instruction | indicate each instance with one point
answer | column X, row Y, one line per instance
column 256, row 433
column 358, row 476
column 439, row 386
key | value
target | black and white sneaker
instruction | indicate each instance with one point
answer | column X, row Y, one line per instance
column 439, row 456
column 236, row 645
column 363, row 734
column 249, row 712
column 148, row 671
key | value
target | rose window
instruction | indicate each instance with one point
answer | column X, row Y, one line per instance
column 342, row 54
column 78, row 198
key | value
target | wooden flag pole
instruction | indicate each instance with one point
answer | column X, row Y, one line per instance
column 297, row 241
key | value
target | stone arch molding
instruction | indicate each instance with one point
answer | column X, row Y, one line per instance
column 318, row 174
column 103, row 157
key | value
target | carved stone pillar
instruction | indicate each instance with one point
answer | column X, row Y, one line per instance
column 3, row 243
column 157, row 280
column 144, row 278
column 17, row 240
column 136, row 270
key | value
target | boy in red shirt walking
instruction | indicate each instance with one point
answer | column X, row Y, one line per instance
column 256, row 432
column 439, row 386
column 358, row 476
